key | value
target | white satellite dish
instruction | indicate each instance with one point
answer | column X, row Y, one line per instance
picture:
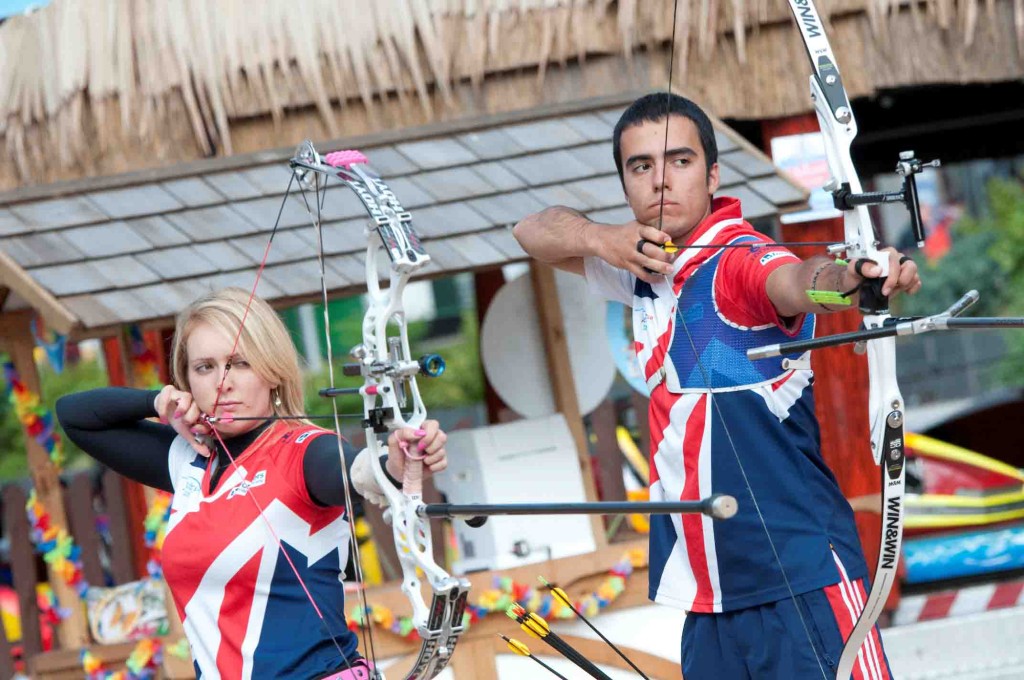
column 512, row 347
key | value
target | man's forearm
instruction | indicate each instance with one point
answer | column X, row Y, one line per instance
column 791, row 293
column 555, row 235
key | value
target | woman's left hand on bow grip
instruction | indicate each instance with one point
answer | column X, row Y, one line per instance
column 428, row 441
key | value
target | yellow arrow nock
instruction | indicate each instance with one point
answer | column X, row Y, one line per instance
column 516, row 646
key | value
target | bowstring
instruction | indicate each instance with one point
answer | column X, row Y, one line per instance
column 367, row 632
column 703, row 371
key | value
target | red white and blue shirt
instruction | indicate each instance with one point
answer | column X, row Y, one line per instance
column 715, row 305
column 238, row 598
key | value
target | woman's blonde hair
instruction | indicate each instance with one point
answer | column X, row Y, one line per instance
column 264, row 342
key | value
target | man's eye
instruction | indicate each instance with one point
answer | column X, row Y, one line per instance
column 641, row 167
column 682, row 161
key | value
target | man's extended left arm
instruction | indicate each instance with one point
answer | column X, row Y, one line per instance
column 788, row 285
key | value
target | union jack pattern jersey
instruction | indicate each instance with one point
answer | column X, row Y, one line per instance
column 700, row 410
column 245, row 614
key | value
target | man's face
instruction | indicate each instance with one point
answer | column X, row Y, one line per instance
column 678, row 179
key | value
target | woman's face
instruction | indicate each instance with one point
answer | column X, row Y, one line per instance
column 244, row 393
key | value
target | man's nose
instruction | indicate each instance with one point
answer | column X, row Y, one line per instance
column 659, row 178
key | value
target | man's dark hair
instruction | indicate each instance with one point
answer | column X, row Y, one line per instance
column 653, row 107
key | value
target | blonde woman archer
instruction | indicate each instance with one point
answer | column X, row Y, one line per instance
column 243, row 590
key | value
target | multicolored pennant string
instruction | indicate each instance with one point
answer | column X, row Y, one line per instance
column 156, row 527
column 52, row 343
column 145, row 368
column 142, row 663
column 56, row 546
column 36, row 419
column 506, row 592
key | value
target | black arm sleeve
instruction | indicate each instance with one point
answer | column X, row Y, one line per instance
column 322, row 469
column 110, row 425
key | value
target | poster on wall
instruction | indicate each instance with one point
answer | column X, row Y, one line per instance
column 803, row 158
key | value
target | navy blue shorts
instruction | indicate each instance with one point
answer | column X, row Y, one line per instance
column 770, row 641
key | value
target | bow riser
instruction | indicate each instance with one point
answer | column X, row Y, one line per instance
column 885, row 403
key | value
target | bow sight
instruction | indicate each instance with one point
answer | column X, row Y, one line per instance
column 908, row 167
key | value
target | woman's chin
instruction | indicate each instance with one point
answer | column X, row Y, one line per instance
column 231, row 428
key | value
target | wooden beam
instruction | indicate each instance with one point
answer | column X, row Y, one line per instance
column 24, row 571
column 57, row 317
column 603, row 421
column 72, row 631
column 563, row 385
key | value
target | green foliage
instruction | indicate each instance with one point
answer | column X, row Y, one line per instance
column 1007, row 252
column 967, row 266
column 85, row 375
column 988, row 256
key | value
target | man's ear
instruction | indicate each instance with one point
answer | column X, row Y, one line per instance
column 713, row 179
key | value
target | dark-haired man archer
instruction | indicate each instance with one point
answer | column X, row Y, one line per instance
column 773, row 592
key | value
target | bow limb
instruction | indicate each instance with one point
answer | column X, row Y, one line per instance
column 389, row 386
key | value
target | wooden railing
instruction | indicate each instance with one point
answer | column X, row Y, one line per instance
column 103, row 562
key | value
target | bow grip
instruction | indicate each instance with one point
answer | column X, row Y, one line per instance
column 412, row 477
column 871, row 300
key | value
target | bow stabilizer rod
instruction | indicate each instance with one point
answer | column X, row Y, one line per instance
column 717, row 506
column 896, row 326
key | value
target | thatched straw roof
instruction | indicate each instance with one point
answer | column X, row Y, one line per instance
column 100, row 86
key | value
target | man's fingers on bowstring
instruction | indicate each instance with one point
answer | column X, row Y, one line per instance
column 644, row 274
column 651, row 262
column 654, row 235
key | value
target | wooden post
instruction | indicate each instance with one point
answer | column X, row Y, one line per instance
column 23, row 570
column 17, row 336
column 119, row 374
column 604, row 421
column 476, row 660
column 563, row 386
column 79, row 502
column 840, row 378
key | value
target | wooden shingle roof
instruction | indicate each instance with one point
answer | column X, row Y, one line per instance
column 137, row 248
